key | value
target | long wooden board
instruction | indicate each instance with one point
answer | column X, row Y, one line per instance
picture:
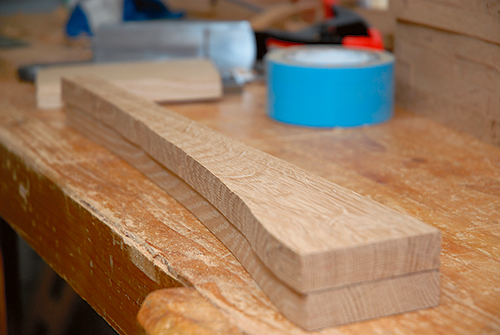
column 309, row 233
column 311, row 311
column 160, row 81
column 299, row 224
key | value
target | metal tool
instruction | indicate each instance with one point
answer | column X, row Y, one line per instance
column 342, row 26
column 229, row 44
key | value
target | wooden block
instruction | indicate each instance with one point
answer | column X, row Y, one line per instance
column 478, row 19
column 337, row 306
column 175, row 80
column 300, row 234
column 453, row 78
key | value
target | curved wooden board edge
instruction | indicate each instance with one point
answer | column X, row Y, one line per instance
column 182, row 311
column 311, row 311
column 307, row 230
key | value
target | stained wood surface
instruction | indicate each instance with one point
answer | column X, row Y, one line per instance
column 415, row 165
column 452, row 78
column 337, row 306
column 161, row 81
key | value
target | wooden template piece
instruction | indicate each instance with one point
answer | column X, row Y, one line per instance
column 311, row 311
column 165, row 81
column 310, row 233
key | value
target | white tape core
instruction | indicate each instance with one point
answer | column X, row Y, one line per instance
column 331, row 57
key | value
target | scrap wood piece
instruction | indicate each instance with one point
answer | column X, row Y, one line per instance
column 159, row 81
column 311, row 311
column 310, row 233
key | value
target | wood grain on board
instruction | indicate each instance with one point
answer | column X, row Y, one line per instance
column 313, row 310
column 160, row 81
column 451, row 78
column 305, row 231
column 54, row 178
column 478, row 19
column 55, row 185
column 294, row 220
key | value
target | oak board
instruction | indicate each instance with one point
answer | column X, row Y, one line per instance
column 311, row 311
column 413, row 164
column 275, row 240
column 305, row 229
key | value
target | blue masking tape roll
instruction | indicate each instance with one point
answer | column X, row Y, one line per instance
column 329, row 86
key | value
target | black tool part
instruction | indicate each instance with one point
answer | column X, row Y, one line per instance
column 28, row 72
column 344, row 23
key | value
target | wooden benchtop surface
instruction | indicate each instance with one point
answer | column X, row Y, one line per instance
column 115, row 236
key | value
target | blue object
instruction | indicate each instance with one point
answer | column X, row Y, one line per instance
column 141, row 10
column 324, row 93
column 78, row 23
column 133, row 10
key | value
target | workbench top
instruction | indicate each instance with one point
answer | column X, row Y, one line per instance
column 116, row 237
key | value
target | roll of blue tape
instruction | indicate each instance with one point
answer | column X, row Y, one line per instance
column 329, row 86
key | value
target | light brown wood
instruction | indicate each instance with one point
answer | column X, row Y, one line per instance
column 338, row 306
column 452, row 78
column 183, row 311
column 160, row 81
column 296, row 222
column 278, row 13
column 479, row 19
column 412, row 164
column 415, row 165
